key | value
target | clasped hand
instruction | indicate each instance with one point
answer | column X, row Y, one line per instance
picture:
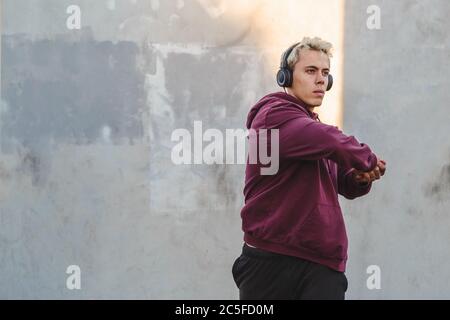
column 375, row 174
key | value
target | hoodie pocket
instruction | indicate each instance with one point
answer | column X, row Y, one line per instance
column 323, row 232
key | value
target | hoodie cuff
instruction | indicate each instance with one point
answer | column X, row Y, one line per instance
column 373, row 161
column 362, row 184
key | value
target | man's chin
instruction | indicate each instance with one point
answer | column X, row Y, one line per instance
column 316, row 103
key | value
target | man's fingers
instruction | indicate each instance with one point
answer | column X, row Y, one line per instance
column 382, row 165
column 370, row 176
column 377, row 173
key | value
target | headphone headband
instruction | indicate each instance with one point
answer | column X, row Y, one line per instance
column 286, row 54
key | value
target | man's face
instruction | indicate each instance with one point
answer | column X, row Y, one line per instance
column 311, row 76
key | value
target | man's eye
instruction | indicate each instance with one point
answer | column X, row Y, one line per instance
column 325, row 74
column 310, row 71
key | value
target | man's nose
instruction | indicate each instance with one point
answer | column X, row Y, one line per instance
column 320, row 78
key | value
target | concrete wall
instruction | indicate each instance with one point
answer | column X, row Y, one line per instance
column 86, row 122
column 396, row 100
column 87, row 178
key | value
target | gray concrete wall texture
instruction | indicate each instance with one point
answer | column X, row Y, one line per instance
column 86, row 118
column 396, row 100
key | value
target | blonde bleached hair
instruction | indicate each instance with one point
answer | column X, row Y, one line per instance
column 307, row 43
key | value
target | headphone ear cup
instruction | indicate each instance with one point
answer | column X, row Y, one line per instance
column 284, row 77
column 330, row 82
column 281, row 78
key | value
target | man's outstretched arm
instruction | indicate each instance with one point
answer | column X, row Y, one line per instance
column 302, row 138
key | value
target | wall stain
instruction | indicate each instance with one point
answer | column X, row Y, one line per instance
column 68, row 91
column 440, row 188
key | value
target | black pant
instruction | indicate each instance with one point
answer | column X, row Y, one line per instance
column 260, row 274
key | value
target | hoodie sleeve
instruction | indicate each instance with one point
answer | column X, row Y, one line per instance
column 348, row 187
column 303, row 138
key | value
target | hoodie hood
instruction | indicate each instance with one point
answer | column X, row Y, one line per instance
column 277, row 98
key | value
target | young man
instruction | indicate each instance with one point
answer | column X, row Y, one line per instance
column 295, row 239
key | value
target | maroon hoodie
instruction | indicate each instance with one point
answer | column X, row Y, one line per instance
column 296, row 211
